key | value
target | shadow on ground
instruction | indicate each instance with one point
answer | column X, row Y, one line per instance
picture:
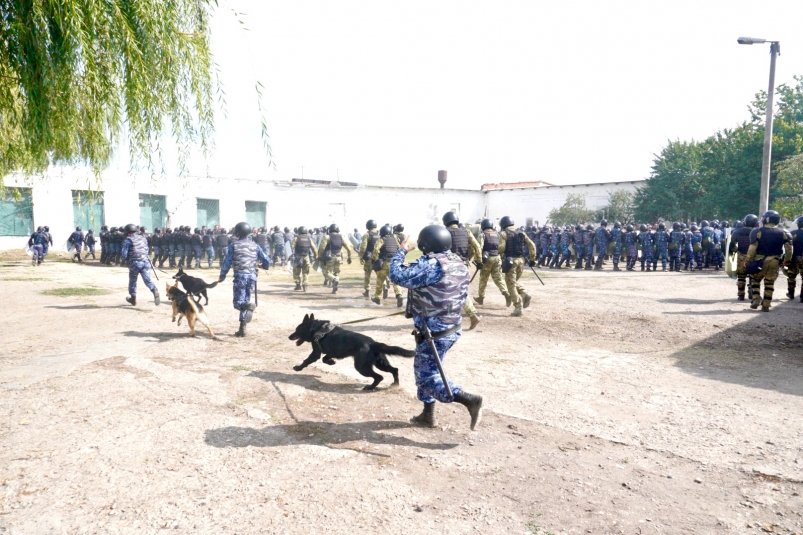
column 316, row 434
column 312, row 382
column 765, row 351
column 93, row 307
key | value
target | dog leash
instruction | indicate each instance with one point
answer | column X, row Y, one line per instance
column 398, row 313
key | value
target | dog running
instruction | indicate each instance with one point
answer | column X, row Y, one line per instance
column 194, row 285
column 334, row 342
column 184, row 306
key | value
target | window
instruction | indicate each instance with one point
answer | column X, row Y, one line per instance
column 152, row 211
column 255, row 213
column 208, row 213
column 87, row 209
column 16, row 212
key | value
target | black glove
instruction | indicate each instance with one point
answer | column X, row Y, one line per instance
column 531, row 263
column 349, row 261
column 478, row 264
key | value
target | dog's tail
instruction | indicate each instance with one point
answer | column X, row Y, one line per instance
column 392, row 350
column 212, row 285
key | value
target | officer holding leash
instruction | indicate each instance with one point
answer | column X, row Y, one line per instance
column 438, row 283
column 243, row 254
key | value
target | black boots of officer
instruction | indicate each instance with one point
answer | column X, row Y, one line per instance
column 132, row 299
column 335, row 282
column 241, row 331
column 473, row 403
column 427, row 416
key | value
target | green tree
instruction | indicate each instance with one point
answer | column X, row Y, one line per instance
column 675, row 186
column 789, row 188
column 73, row 72
column 620, row 207
column 572, row 211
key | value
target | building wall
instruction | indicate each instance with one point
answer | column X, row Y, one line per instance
column 536, row 203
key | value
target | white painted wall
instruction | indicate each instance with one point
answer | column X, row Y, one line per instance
column 536, row 203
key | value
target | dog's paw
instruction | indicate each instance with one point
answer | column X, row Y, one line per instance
column 369, row 388
column 174, row 320
column 330, row 362
column 298, row 367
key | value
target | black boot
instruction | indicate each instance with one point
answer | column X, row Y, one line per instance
column 132, row 299
column 241, row 331
column 298, row 286
column 156, row 299
column 248, row 313
column 334, row 286
column 427, row 416
column 473, row 404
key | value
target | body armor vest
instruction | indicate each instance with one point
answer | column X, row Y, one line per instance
column 278, row 239
column 369, row 245
column 445, row 298
column 514, row 246
column 741, row 236
column 139, row 247
column 245, row 256
column 335, row 244
column 389, row 247
column 302, row 245
column 797, row 242
column 459, row 242
column 490, row 244
column 262, row 240
column 770, row 241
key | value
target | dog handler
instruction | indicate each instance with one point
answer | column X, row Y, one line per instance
column 438, row 283
column 135, row 250
column 243, row 254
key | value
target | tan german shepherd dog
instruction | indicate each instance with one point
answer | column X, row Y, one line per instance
column 185, row 306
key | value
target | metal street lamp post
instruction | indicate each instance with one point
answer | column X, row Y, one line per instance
column 775, row 50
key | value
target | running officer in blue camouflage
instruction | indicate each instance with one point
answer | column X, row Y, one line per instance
column 513, row 245
column 367, row 244
column 135, row 251
column 795, row 267
column 768, row 245
column 466, row 246
column 243, row 255
column 303, row 249
column 740, row 243
column 438, row 283
column 330, row 256
column 384, row 249
column 37, row 243
column 491, row 262
column 89, row 241
column 76, row 239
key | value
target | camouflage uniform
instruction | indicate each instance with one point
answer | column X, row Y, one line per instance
column 645, row 240
column 661, row 239
column 367, row 244
column 470, row 252
column 616, row 239
column 330, row 255
column 512, row 247
column 767, row 244
column 740, row 243
column 303, row 249
column 491, row 265
column 385, row 248
column 601, row 238
column 631, row 247
column 796, row 264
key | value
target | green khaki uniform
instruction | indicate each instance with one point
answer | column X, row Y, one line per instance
column 769, row 266
column 301, row 264
column 365, row 257
column 491, row 268
column 330, row 264
column 475, row 255
column 517, row 293
column 382, row 273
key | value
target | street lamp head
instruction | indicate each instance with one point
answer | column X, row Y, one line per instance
column 750, row 41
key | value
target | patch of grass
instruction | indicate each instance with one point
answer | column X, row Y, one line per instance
column 25, row 279
column 535, row 529
column 70, row 292
column 240, row 369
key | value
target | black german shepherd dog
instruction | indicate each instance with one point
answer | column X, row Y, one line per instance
column 194, row 285
column 334, row 342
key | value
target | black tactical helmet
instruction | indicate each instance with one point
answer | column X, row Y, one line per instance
column 242, row 229
column 618, row 224
column 90, row 231
column 704, row 223
column 578, row 227
column 434, row 239
column 604, row 223
column 675, row 226
column 505, row 222
column 799, row 222
column 333, row 228
column 47, row 229
column 772, row 217
column 370, row 224
column 385, row 230
column 104, row 227
column 486, row 224
column 661, row 226
column 398, row 227
column 155, row 231
column 450, row 218
column 629, row 228
column 693, row 227
column 78, row 229
column 738, row 224
column 750, row 220
column 197, row 230
column 169, row 230
column 302, row 230
column 589, row 227
column 643, row 227
column 131, row 228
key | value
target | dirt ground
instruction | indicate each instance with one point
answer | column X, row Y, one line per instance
column 620, row 403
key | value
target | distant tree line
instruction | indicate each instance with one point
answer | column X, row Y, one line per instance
column 720, row 176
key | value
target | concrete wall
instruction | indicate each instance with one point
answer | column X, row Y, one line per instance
column 536, row 203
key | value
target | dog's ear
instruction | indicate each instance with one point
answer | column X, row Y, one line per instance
column 312, row 317
column 306, row 318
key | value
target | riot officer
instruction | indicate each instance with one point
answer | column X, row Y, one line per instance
column 303, row 249
column 740, row 243
column 367, row 244
column 330, row 256
column 384, row 249
column 795, row 267
column 134, row 250
column 767, row 245
column 466, row 247
column 491, row 262
column 513, row 245
column 243, row 254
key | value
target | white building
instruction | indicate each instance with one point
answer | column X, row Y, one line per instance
column 65, row 198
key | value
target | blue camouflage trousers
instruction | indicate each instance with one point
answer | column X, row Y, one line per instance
column 427, row 378
column 242, row 285
column 136, row 268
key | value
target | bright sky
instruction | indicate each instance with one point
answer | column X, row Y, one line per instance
column 388, row 92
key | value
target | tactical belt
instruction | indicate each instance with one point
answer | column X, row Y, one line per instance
column 421, row 337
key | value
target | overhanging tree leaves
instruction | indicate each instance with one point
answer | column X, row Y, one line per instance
column 572, row 211
column 73, row 71
column 789, row 187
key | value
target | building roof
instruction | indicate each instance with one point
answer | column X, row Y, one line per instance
column 514, row 185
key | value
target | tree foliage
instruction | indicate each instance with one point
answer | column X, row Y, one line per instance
column 619, row 208
column 73, row 72
column 720, row 176
column 572, row 211
column 789, row 188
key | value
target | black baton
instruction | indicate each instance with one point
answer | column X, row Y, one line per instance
column 431, row 342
